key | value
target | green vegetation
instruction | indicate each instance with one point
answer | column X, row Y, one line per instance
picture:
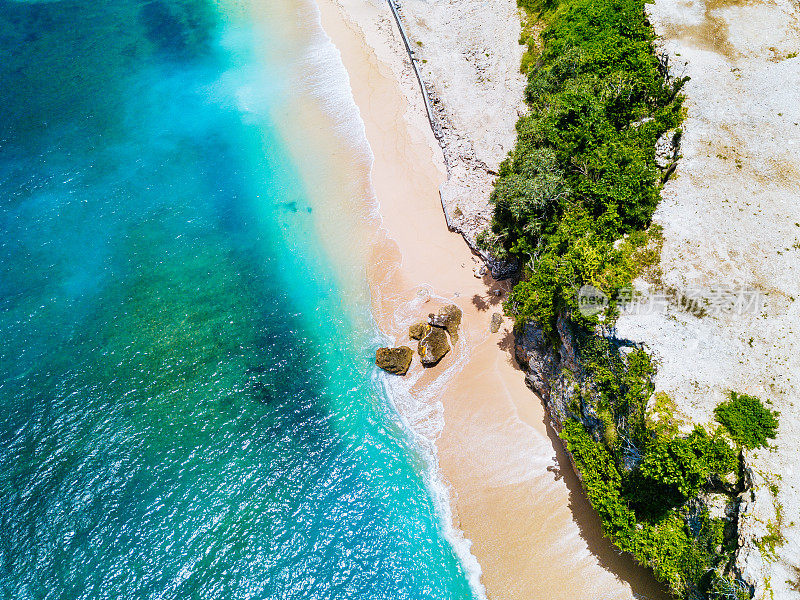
column 686, row 560
column 749, row 422
column 583, row 175
column 573, row 203
column 649, row 482
column 644, row 479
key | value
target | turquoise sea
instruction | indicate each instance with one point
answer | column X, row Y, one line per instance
column 188, row 409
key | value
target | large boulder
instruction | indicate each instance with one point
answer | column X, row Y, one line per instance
column 394, row 360
column 447, row 317
column 418, row 330
column 496, row 323
column 433, row 346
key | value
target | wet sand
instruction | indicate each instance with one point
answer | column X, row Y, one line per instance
column 512, row 490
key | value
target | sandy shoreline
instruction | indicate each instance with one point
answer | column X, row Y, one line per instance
column 512, row 491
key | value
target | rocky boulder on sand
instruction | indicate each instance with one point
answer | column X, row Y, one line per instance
column 418, row 330
column 433, row 346
column 394, row 360
column 448, row 317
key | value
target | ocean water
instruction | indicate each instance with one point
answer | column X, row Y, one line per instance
column 187, row 406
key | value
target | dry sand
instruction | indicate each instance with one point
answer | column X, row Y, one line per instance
column 512, row 490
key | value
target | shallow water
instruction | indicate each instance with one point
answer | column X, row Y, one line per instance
column 187, row 405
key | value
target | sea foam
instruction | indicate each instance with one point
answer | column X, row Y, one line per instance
column 420, row 415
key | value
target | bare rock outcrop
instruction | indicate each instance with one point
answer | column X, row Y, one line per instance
column 418, row 330
column 496, row 322
column 556, row 375
column 433, row 346
column 394, row 360
column 475, row 89
column 449, row 318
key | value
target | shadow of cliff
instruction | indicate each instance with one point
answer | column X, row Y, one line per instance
column 507, row 344
column 643, row 584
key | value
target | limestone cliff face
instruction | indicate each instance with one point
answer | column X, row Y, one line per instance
column 759, row 513
column 476, row 89
column 555, row 374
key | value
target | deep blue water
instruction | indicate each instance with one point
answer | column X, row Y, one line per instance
column 185, row 409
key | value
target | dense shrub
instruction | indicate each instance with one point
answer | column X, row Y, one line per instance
column 663, row 542
column 749, row 422
column 583, row 173
column 675, row 469
column 641, row 511
column 642, row 479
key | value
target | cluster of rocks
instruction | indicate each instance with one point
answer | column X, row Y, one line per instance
column 432, row 342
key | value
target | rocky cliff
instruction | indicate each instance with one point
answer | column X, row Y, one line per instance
column 557, row 373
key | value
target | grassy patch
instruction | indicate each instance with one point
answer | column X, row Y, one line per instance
column 769, row 543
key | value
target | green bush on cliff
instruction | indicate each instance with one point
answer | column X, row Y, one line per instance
column 662, row 544
column 583, row 172
column 749, row 422
column 675, row 469
column 640, row 510
column 642, row 478
column 573, row 203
